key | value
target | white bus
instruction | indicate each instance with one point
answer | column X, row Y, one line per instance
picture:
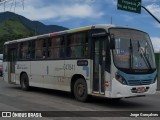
column 1, row 56
column 99, row 60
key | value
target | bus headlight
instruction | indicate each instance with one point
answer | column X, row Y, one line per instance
column 120, row 79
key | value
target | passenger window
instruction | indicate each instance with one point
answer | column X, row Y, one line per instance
column 24, row 51
column 40, row 49
column 77, row 45
column 5, row 56
column 32, row 49
column 56, row 48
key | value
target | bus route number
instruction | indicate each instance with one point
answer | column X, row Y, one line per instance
column 69, row 67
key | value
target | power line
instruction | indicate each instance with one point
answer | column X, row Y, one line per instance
column 11, row 4
column 2, row 1
column 23, row 4
column 8, row 7
column 15, row 6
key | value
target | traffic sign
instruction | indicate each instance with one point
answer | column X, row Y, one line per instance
column 130, row 5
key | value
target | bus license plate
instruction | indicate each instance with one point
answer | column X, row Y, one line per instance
column 141, row 89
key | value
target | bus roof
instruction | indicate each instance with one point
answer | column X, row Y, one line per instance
column 106, row 26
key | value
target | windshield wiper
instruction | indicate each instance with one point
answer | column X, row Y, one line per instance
column 143, row 54
column 131, row 54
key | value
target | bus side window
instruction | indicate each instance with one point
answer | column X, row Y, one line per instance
column 5, row 56
column 29, row 50
column 32, row 50
column 39, row 49
column 86, row 51
column 77, row 45
column 44, row 48
column 57, row 47
column 61, row 50
column 18, row 51
column 23, row 50
column 49, row 49
column 54, row 50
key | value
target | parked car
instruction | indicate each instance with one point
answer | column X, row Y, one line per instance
column 1, row 68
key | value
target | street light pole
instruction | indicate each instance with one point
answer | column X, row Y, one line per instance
column 151, row 14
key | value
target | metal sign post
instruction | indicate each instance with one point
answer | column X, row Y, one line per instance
column 151, row 14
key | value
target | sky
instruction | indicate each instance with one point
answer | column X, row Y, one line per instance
column 80, row 13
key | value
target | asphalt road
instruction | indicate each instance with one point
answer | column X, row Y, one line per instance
column 12, row 98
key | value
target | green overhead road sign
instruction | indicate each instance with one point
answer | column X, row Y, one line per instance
column 130, row 5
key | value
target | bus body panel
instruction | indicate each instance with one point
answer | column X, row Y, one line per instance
column 22, row 67
column 107, row 84
column 53, row 74
column 6, row 71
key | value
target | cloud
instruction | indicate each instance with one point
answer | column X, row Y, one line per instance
column 156, row 43
column 155, row 9
column 60, row 10
column 113, row 2
column 153, row 1
column 127, row 18
column 157, row 25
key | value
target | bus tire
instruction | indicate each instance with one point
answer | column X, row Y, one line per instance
column 24, row 82
column 80, row 90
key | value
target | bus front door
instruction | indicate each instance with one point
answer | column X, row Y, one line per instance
column 99, row 64
column 12, row 58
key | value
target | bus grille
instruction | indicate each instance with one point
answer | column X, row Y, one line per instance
column 139, row 82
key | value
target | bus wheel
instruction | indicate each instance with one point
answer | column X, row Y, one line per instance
column 24, row 82
column 80, row 90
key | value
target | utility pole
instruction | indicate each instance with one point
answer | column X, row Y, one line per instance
column 111, row 20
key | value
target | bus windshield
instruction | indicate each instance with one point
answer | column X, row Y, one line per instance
column 133, row 49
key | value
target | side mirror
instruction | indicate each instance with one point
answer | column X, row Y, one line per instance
column 112, row 42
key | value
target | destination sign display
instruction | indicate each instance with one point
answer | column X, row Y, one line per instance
column 130, row 5
column 128, row 34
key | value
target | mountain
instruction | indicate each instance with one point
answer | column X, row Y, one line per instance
column 13, row 26
column 37, row 26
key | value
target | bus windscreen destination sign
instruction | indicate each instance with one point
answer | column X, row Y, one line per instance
column 130, row 5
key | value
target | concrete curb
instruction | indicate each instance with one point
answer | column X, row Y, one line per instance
column 158, row 92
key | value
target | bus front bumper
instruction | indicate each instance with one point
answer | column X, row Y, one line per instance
column 121, row 91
